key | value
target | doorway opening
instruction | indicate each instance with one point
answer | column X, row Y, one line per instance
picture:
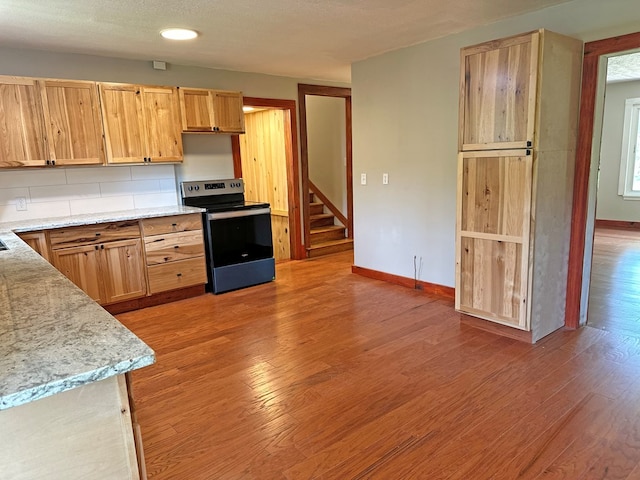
column 266, row 157
column 583, row 228
column 614, row 293
column 326, row 168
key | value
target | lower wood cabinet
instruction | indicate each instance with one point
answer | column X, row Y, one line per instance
column 114, row 262
column 174, row 252
column 37, row 240
column 108, row 271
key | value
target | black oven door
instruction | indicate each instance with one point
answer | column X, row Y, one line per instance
column 240, row 236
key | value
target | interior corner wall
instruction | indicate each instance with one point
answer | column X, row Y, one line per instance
column 405, row 123
column 610, row 205
column 327, row 148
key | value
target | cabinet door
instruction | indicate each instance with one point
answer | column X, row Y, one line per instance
column 22, row 142
column 125, row 134
column 37, row 241
column 162, row 123
column 228, row 116
column 196, row 108
column 81, row 265
column 74, row 128
column 498, row 94
column 123, row 270
column 492, row 248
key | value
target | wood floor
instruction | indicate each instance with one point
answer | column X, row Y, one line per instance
column 614, row 296
column 329, row 375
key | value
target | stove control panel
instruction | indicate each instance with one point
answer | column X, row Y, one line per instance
column 205, row 188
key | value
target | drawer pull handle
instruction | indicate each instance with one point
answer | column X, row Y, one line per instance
column 174, row 224
column 178, row 274
column 176, row 246
column 98, row 234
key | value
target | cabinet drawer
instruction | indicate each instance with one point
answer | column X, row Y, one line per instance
column 173, row 246
column 92, row 234
column 176, row 223
column 173, row 275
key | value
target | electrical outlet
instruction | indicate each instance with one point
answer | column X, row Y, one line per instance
column 21, row 204
column 363, row 179
column 385, row 179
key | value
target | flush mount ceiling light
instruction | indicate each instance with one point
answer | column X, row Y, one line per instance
column 178, row 33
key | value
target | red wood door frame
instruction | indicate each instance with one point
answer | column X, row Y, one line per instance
column 323, row 91
column 592, row 53
column 293, row 172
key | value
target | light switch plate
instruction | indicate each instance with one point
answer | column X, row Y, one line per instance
column 363, row 179
column 385, row 179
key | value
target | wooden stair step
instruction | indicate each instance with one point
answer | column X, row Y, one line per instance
column 321, row 219
column 316, row 208
column 327, row 233
column 326, row 248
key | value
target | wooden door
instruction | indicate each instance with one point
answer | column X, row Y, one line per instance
column 81, row 265
column 22, row 141
column 123, row 268
column 74, row 127
column 161, row 108
column 492, row 248
column 125, row 134
column 498, row 94
column 196, row 108
column 228, row 116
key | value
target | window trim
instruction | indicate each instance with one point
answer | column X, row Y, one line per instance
column 630, row 134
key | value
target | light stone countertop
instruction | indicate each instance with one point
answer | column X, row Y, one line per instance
column 53, row 337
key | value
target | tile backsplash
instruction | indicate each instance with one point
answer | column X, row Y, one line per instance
column 54, row 192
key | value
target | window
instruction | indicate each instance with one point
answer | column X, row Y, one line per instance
column 629, row 184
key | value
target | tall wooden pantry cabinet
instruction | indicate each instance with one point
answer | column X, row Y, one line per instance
column 519, row 100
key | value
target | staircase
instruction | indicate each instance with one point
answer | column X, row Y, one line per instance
column 326, row 235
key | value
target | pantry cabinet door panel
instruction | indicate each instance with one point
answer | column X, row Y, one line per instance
column 498, row 94
column 496, row 193
column 492, row 280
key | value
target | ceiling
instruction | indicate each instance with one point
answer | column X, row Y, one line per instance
column 623, row 68
column 299, row 38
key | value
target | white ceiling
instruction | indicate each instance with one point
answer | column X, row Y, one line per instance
column 623, row 68
column 300, row 38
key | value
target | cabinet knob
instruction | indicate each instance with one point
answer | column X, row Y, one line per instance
column 53, row 162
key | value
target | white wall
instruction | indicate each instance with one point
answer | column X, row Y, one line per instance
column 327, row 147
column 405, row 113
column 205, row 156
column 612, row 206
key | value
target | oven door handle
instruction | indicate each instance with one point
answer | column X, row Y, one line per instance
column 240, row 213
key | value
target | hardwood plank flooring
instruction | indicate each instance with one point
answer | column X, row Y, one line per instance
column 324, row 374
column 614, row 296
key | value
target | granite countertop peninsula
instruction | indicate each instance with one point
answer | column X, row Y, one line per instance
column 53, row 337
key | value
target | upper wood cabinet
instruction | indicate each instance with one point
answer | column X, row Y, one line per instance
column 142, row 123
column 73, row 123
column 49, row 122
column 23, row 140
column 519, row 101
column 211, row 111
